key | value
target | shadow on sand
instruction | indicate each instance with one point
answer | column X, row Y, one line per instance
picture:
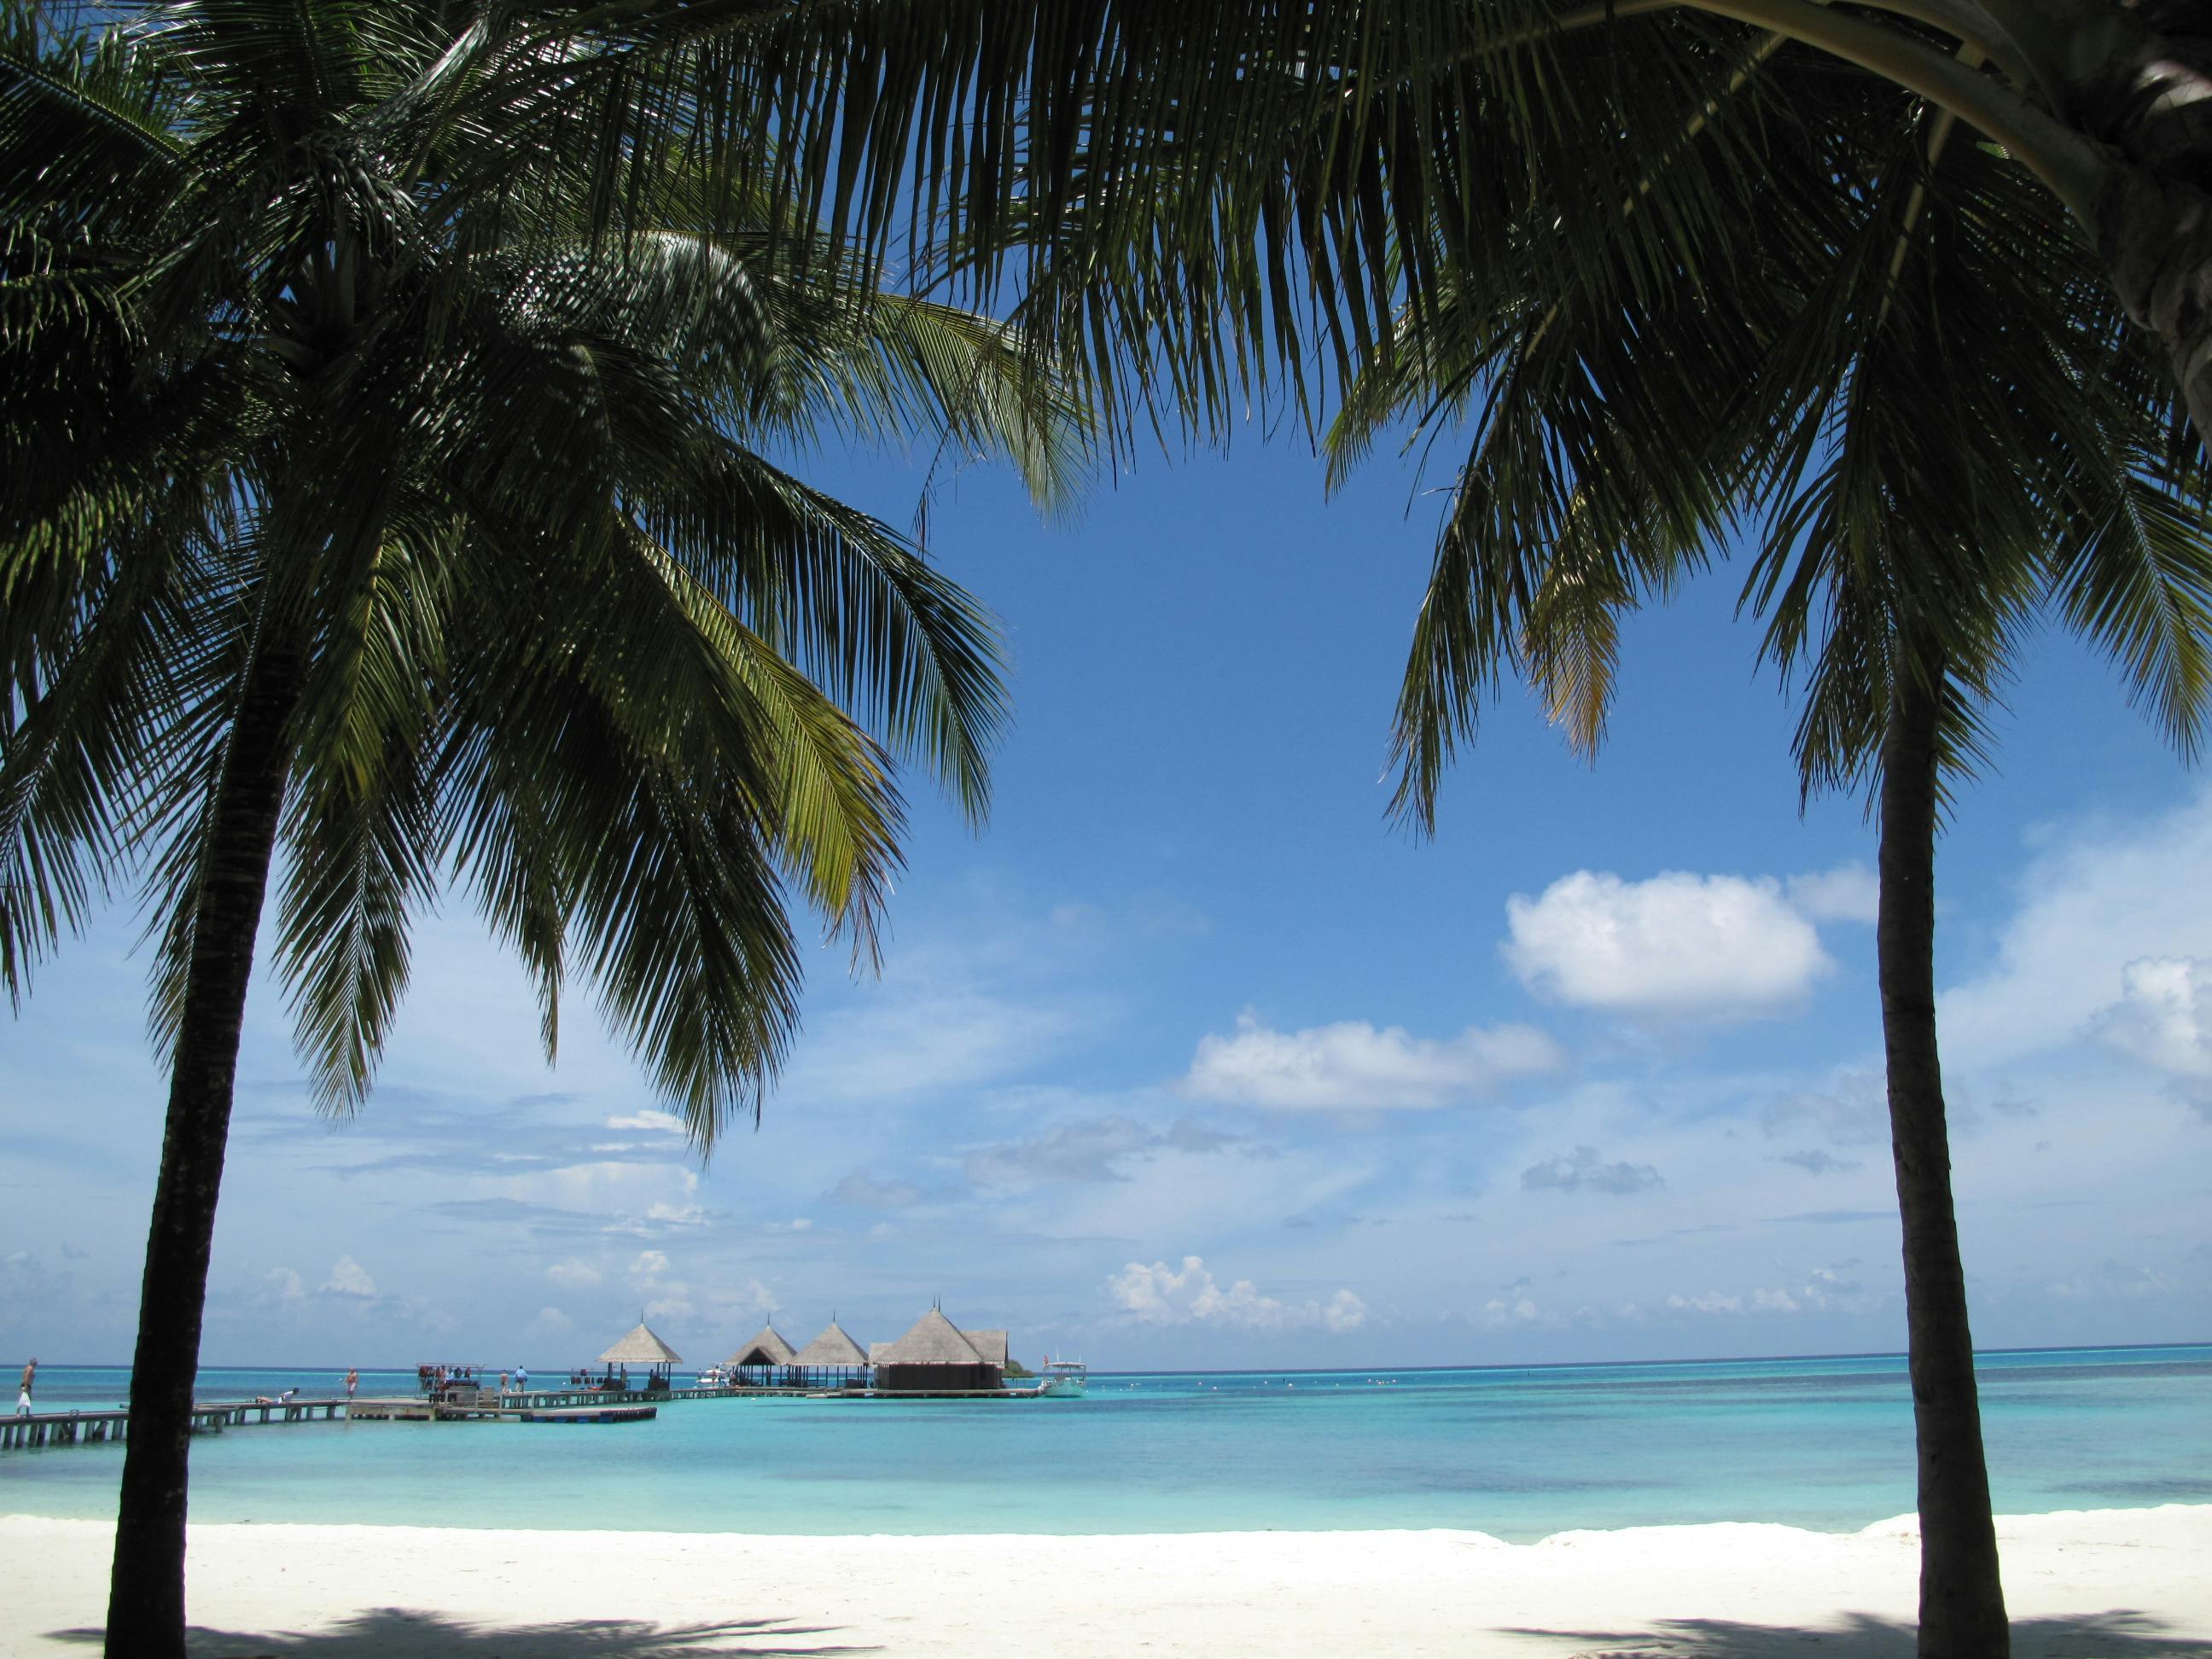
column 2119, row 1634
column 400, row 1633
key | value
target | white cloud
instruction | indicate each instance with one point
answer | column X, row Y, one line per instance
column 1850, row 892
column 1352, row 1066
column 550, row 1321
column 350, row 1280
column 2096, row 901
column 664, row 1123
column 1676, row 944
column 2164, row 1016
column 282, row 1287
column 649, row 1264
column 573, row 1275
column 1160, row 1295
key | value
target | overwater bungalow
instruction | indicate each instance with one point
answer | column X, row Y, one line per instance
column 760, row 1363
column 831, row 1360
column 642, row 1349
column 936, row 1357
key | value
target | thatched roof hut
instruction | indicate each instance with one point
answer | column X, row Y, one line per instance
column 936, row 1357
column 641, row 1348
column 833, row 1351
column 767, row 1348
column 990, row 1347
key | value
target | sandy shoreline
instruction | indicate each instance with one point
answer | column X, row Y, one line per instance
column 2109, row 1582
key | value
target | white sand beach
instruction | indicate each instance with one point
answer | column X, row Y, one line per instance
column 2101, row 1583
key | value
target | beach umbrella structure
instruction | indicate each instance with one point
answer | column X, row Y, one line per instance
column 759, row 1360
column 936, row 1357
column 642, row 1347
column 832, row 1359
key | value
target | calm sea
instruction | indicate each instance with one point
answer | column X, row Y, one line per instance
column 1518, row 1453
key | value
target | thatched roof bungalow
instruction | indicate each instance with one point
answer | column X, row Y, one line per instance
column 832, row 1359
column 833, row 1350
column 642, row 1347
column 936, row 1357
column 766, row 1350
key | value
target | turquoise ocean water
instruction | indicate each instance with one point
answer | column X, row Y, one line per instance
column 1821, row 1442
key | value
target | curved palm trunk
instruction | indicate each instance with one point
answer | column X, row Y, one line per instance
column 2154, row 235
column 2137, row 80
column 146, row 1592
column 1962, row 1612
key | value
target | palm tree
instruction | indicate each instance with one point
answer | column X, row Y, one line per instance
column 1925, row 407
column 386, row 504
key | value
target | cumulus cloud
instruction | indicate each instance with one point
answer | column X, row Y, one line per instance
column 349, row 1279
column 1585, row 1170
column 1850, row 892
column 2164, row 1015
column 550, row 1321
column 649, row 1264
column 573, row 1275
column 1679, row 943
column 281, row 1287
column 1160, row 1295
column 2093, row 902
column 1353, row 1065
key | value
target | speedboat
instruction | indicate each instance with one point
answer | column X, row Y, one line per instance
column 1065, row 1379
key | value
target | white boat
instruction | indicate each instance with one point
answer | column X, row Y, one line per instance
column 1065, row 1379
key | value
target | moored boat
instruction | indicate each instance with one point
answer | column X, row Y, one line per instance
column 1064, row 1379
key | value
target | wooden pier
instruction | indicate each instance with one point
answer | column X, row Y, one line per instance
column 83, row 1428
column 74, row 1428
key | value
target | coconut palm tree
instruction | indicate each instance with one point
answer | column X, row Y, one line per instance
column 389, row 504
column 1927, row 416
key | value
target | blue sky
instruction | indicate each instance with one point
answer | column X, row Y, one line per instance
column 1192, row 1059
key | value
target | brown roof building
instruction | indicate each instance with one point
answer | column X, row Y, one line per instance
column 936, row 1357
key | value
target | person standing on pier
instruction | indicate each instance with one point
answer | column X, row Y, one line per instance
column 522, row 1379
column 352, row 1381
column 23, row 1388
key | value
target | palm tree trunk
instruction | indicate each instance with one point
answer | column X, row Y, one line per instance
column 1962, row 1612
column 146, row 1592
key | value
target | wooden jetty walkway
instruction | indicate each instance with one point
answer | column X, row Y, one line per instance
column 73, row 1428
column 87, row 1428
